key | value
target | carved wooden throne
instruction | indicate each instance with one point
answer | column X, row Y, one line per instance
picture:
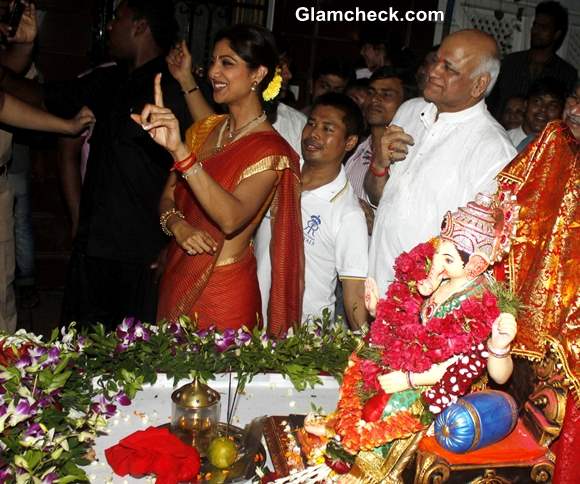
column 523, row 456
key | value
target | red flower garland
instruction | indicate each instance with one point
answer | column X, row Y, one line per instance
column 410, row 345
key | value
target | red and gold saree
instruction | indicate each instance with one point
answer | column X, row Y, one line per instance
column 227, row 296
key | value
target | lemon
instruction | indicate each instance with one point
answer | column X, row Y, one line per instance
column 222, row 452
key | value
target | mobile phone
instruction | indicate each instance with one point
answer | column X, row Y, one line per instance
column 13, row 18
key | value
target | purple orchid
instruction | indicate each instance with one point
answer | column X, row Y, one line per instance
column 24, row 408
column 103, row 407
column 23, row 362
column 265, row 340
column 3, row 409
column 176, row 330
column 34, row 430
column 53, row 357
column 49, row 478
column 243, row 338
column 122, row 399
column 5, row 475
column 129, row 331
column 224, row 340
column 44, row 400
column 124, row 327
column 122, row 346
column 139, row 332
column 36, row 353
column 81, row 343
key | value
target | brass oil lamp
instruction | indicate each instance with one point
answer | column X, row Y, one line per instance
column 195, row 414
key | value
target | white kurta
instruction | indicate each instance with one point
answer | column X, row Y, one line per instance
column 453, row 158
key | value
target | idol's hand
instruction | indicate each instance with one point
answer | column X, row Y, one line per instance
column 392, row 146
column 179, row 65
column 161, row 124
column 395, row 381
column 192, row 240
column 503, row 331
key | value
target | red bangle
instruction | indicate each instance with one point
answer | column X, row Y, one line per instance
column 185, row 164
column 375, row 172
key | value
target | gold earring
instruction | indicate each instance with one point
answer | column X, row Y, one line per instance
column 254, row 86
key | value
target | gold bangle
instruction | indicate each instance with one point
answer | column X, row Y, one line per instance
column 194, row 170
column 165, row 216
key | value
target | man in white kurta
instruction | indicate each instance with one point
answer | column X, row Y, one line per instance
column 437, row 155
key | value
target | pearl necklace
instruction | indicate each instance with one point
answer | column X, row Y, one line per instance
column 234, row 134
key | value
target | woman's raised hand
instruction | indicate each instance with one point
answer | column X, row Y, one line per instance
column 161, row 123
column 179, row 65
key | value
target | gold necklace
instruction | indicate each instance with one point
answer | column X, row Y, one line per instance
column 233, row 135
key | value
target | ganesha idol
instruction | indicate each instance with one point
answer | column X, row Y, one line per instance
column 442, row 323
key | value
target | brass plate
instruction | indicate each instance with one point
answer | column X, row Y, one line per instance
column 210, row 474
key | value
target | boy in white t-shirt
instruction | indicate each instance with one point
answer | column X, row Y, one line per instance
column 335, row 231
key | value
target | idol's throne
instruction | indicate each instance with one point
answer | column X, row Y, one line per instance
column 523, row 456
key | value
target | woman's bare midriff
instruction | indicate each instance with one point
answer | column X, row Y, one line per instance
column 235, row 246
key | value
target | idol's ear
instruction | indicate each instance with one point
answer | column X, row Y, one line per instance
column 475, row 266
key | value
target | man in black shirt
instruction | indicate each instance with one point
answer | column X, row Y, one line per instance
column 111, row 271
column 520, row 69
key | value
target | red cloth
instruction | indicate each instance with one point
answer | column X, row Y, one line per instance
column 187, row 277
column 519, row 446
column 233, row 282
column 566, row 447
column 154, row 451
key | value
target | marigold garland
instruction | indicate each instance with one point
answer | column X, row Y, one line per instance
column 355, row 433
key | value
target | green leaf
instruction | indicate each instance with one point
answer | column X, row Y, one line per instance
column 32, row 458
column 73, row 473
column 58, row 381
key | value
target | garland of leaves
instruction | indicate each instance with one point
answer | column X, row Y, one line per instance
column 56, row 396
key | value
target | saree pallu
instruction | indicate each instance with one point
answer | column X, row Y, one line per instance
column 189, row 285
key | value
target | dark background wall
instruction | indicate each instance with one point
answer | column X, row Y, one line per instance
column 311, row 41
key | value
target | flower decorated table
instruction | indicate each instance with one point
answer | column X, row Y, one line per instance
column 65, row 399
column 266, row 394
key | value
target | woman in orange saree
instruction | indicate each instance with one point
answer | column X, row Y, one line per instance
column 233, row 167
